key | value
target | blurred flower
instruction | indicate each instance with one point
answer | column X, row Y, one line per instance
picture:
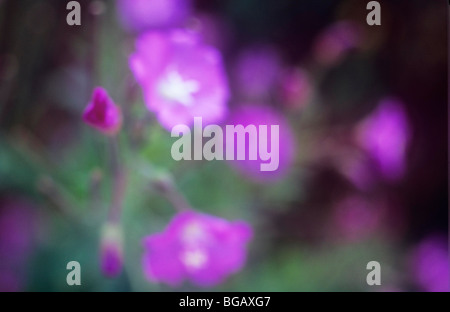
column 181, row 77
column 385, row 135
column 356, row 218
column 335, row 41
column 430, row 264
column 202, row 248
column 17, row 231
column 111, row 254
column 296, row 88
column 102, row 114
column 257, row 71
column 253, row 114
column 140, row 15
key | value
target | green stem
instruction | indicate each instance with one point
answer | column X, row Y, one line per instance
column 119, row 183
column 163, row 183
column 169, row 191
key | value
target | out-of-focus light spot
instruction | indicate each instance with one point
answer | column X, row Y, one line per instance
column 385, row 134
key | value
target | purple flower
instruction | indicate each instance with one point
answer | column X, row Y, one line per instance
column 111, row 255
column 181, row 77
column 282, row 152
column 430, row 264
column 140, row 15
column 385, row 135
column 102, row 114
column 199, row 247
column 256, row 72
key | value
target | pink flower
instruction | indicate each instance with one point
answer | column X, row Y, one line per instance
column 102, row 114
column 140, row 15
column 111, row 254
column 385, row 135
column 181, row 77
column 202, row 248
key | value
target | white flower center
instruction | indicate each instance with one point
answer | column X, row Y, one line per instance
column 194, row 259
column 174, row 88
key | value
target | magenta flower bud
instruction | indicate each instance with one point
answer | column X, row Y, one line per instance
column 111, row 254
column 201, row 248
column 102, row 113
column 181, row 77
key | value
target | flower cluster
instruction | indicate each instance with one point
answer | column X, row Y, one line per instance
column 181, row 78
